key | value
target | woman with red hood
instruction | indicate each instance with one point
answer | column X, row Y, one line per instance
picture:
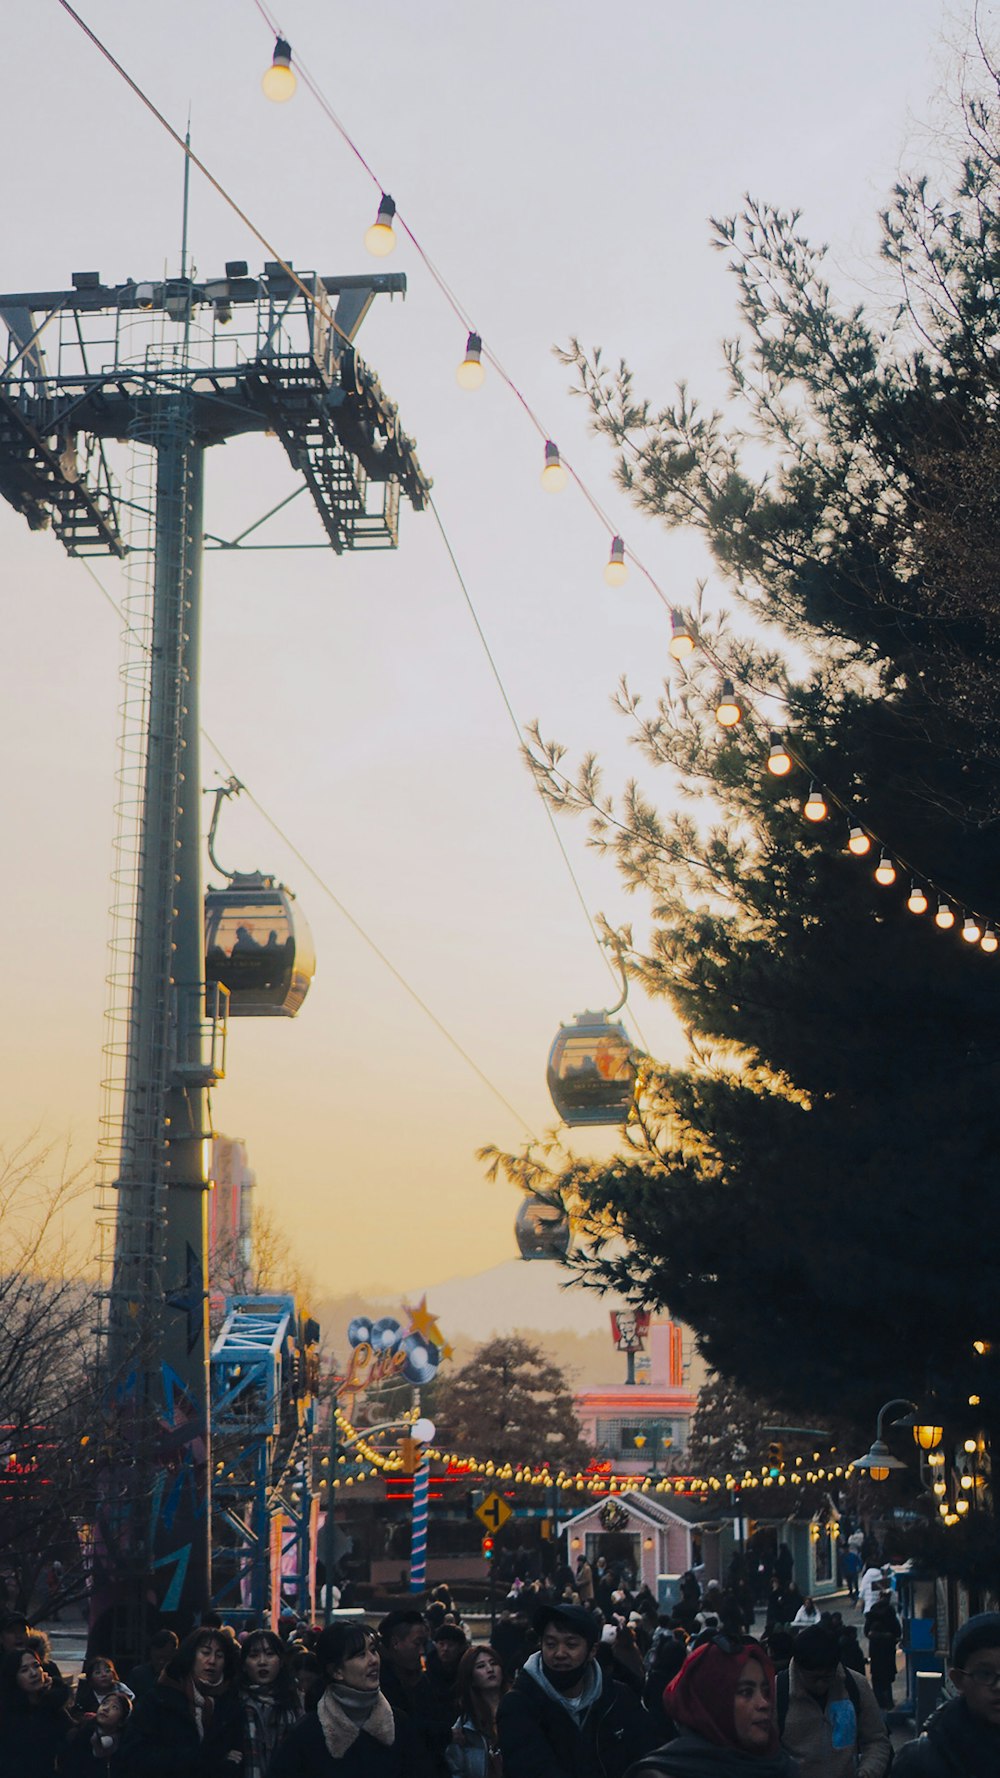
column 722, row 1701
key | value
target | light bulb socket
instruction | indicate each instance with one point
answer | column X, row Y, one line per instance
column 728, row 711
column 681, row 637
column 386, row 210
column 814, row 808
column 282, row 57
column 779, row 760
column 617, row 551
column 554, row 474
column 474, row 347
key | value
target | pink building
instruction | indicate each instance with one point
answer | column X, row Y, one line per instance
column 644, row 1425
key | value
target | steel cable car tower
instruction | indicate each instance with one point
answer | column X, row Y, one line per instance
column 165, row 367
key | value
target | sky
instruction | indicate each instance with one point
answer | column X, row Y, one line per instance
column 559, row 164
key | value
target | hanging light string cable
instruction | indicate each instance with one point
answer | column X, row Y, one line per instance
column 445, row 289
column 457, row 307
column 344, row 912
column 317, row 302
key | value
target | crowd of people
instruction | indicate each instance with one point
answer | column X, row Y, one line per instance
column 562, row 1690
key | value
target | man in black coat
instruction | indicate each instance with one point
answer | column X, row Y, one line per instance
column 962, row 1739
column 403, row 1639
column 564, row 1718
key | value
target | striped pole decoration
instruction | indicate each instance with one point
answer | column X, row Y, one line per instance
column 418, row 1548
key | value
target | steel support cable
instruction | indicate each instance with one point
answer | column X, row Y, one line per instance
column 193, row 159
column 338, row 904
column 553, row 825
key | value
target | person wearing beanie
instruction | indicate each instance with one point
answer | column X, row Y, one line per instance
column 828, row 1719
column 722, row 1702
column 563, row 1717
column 962, row 1738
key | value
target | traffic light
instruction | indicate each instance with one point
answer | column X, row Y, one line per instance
column 410, row 1454
column 488, row 1548
column 776, row 1457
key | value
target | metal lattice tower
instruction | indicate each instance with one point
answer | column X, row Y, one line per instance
column 172, row 368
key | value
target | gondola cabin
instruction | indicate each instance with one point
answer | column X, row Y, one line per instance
column 258, row 946
column 542, row 1229
column 591, row 1074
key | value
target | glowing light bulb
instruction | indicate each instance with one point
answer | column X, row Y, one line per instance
column 967, row 1482
column 858, row 842
column 554, row 477
column 961, row 1506
column 989, row 941
column 779, row 760
column 681, row 637
column 728, row 711
column 471, row 373
column 969, row 1446
column 279, row 80
column 916, row 901
column 814, row 807
column 615, row 570
column 970, row 931
column 944, row 916
column 940, row 1487
column 885, row 871
column 380, row 239
column 974, row 1401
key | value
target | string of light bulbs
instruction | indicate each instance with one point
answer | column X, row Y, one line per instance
column 279, row 84
column 545, row 1475
column 862, row 840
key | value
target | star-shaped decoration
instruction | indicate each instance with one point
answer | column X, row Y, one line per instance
column 422, row 1322
column 447, row 1351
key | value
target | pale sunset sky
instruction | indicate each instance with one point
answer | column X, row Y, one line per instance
column 559, row 163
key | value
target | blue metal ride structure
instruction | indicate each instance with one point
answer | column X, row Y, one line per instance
column 264, row 1376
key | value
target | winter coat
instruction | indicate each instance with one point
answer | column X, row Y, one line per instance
column 954, row 1744
column 468, row 1758
column 420, row 1706
column 691, row 1756
column 80, row 1761
column 539, row 1739
column 161, row 1737
column 32, row 1740
column 835, row 1740
column 304, row 1754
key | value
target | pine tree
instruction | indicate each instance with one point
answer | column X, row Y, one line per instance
column 509, row 1403
column 811, row 1192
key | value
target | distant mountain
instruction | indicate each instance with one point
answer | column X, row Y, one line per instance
column 532, row 1298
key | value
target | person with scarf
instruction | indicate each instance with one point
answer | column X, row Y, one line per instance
column 269, row 1699
column 722, row 1701
column 563, row 1717
column 354, row 1731
column 475, row 1749
column 189, row 1724
column 33, row 1722
column 94, row 1747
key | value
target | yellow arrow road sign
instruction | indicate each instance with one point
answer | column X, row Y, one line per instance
column 494, row 1512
